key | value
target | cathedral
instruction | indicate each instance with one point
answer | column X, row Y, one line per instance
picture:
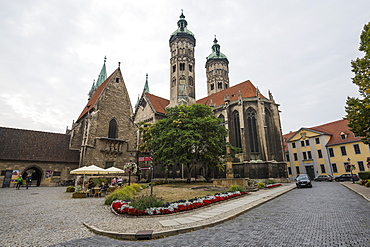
column 252, row 119
column 106, row 134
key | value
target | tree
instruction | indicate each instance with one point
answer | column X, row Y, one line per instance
column 358, row 109
column 189, row 135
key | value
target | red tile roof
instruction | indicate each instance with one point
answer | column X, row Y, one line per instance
column 30, row 145
column 95, row 96
column 158, row 103
column 334, row 129
column 247, row 89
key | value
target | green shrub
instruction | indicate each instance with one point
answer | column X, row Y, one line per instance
column 260, row 185
column 136, row 187
column 270, row 182
column 144, row 202
column 234, row 188
column 124, row 193
column 367, row 184
column 364, row 175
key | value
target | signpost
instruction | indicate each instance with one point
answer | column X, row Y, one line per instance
column 145, row 158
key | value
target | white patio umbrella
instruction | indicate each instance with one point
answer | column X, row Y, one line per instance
column 114, row 170
column 92, row 170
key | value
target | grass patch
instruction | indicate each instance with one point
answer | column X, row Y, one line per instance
column 175, row 192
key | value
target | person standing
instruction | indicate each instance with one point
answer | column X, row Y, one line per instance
column 119, row 181
column 28, row 181
column 19, row 182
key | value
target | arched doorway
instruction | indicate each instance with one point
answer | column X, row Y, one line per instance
column 36, row 175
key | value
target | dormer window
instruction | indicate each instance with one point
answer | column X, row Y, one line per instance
column 343, row 136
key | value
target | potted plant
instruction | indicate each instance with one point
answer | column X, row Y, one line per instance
column 79, row 193
column 70, row 188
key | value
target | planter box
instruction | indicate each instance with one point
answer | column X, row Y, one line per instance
column 70, row 190
column 79, row 195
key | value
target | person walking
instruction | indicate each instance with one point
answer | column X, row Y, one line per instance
column 28, row 181
column 19, row 182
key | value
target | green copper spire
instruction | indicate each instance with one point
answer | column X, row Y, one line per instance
column 103, row 75
column 182, row 30
column 216, row 53
column 146, row 86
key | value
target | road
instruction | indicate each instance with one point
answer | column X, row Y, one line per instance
column 326, row 215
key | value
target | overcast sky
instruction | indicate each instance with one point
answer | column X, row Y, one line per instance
column 51, row 51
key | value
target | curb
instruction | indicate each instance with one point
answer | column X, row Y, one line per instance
column 365, row 197
column 161, row 234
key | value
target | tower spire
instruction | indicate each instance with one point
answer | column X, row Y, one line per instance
column 146, row 86
column 103, row 74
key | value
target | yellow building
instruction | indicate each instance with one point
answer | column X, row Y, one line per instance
column 325, row 149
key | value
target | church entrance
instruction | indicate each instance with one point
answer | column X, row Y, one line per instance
column 36, row 175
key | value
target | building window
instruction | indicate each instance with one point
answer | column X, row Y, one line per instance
column 173, row 82
column 304, row 155
column 302, row 143
column 317, row 140
column 297, row 170
column 319, row 153
column 191, row 81
column 347, row 167
column 117, row 79
column 252, row 131
column 334, row 166
column 323, row 168
column 343, row 150
column 343, row 136
column 295, row 156
column 219, row 85
column 190, row 68
column 309, row 155
column 331, row 152
column 287, row 158
column 237, row 141
column 112, row 132
column 108, row 164
column 212, row 86
column 307, row 142
column 356, row 147
column 182, row 66
column 226, row 86
column 173, row 68
column 289, row 170
column 293, row 144
column 361, row 166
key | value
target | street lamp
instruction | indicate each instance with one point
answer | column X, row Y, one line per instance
column 350, row 168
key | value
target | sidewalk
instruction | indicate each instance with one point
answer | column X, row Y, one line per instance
column 161, row 226
column 359, row 189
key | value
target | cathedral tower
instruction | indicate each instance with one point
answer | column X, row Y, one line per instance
column 182, row 43
column 217, row 70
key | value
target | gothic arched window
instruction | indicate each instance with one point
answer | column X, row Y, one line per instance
column 236, row 127
column 252, row 131
column 270, row 133
column 112, row 132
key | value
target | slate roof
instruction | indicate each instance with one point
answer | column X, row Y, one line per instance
column 30, row 145
column 334, row 129
column 247, row 89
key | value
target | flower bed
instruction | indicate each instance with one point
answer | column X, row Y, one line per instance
column 272, row 185
column 123, row 207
